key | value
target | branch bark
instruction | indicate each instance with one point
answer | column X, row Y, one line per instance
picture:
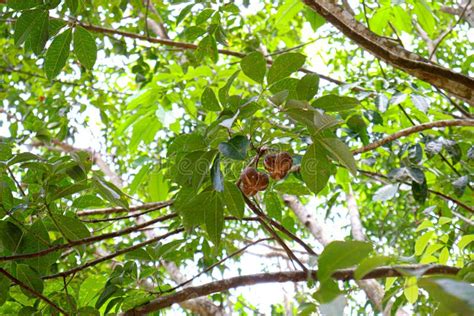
column 281, row 277
column 32, row 291
column 412, row 130
column 455, row 83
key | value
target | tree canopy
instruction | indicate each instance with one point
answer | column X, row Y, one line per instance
column 153, row 152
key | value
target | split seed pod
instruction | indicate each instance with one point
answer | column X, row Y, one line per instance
column 252, row 181
column 278, row 165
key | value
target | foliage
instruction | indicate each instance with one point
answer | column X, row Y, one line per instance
column 178, row 120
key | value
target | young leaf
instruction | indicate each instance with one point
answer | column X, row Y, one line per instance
column 57, row 54
column 284, row 65
column 84, row 47
column 254, row 66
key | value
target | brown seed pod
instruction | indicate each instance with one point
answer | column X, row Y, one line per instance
column 252, row 181
column 278, row 165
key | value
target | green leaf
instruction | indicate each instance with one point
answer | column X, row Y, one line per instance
column 254, row 66
column 86, row 201
column 110, row 192
column 84, row 47
column 72, row 5
column 6, row 197
column 190, row 206
column 273, row 206
column 57, row 54
column 69, row 190
column 108, row 292
column 30, row 278
column 216, row 175
column 464, row 241
column 286, row 13
column 454, row 295
column 284, row 65
column 207, row 47
column 214, row 218
column 315, row 121
column 4, row 289
column 307, row 87
column 341, row 152
column 235, row 148
column 158, row 186
column 23, row 4
column 22, row 158
column 32, row 25
column 71, row 228
column 184, row 13
column 424, row 16
column 411, row 289
column 233, row 199
column 39, row 34
column 10, row 236
column 335, row 103
column 316, row 168
column 314, row 19
column 224, row 91
column 138, row 179
column 209, row 100
column 192, row 169
column 369, row 264
column 422, row 241
column 340, row 255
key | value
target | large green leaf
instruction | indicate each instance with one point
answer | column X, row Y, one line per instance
column 84, row 47
column 11, row 236
column 307, row 87
column 32, row 25
column 57, row 54
column 23, row 4
column 4, row 289
column 209, row 100
column 254, row 66
column 110, row 192
column 369, row 264
column 72, row 228
column 224, row 91
column 214, row 217
column 30, row 278
column 335, row 103
column 316, row 168
column 193, row 168
column 235, row 148
column 233, row 199
column 338, row 255
column 284, row 65
column 340, row 151
column 455, row 296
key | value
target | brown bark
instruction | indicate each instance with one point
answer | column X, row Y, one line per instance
column 455, row 83
column 280, row 277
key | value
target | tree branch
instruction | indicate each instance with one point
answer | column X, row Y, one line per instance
column 32, row 291
column 281, row 277
column 113, row 255
column 455, row 83
column 412, row 130
column 88, row 240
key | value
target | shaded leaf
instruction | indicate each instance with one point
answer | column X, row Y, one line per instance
column 57, row 54
column 254, row 66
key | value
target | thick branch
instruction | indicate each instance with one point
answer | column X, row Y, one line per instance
column 412, row 130
column 455, row 83
column 281, row 277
